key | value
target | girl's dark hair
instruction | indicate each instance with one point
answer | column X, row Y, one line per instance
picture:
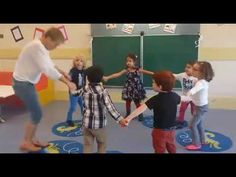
column 206, row 70
column 164, row 78
column 133, row 57
column 191, row 62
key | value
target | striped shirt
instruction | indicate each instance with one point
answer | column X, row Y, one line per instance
column 96, row 99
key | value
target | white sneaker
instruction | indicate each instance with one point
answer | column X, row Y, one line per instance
column 2, row 120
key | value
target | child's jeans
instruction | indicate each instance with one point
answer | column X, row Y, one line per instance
column 197, row 126
column 74, row 101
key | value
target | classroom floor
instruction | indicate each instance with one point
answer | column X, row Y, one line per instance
column 133, row 139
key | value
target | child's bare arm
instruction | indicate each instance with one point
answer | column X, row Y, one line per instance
column 70, row 85
column 77, row 92
column 110, row 106
column 136, row 112
column 115, row 75
column 146, row 71
column 185, row 98
column 67, row 76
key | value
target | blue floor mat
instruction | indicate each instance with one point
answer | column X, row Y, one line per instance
column 67, row 147
column 62, row 129
column 216, row 142
column 63, row 147
column 148, row 121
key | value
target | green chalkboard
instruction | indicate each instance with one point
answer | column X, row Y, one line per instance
column 168, row 53
column 110, row 53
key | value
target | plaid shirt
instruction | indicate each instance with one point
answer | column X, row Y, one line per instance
column 96, row 98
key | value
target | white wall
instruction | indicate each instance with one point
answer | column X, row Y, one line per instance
column 79, row 35
column 220, row 36
column 224, row 82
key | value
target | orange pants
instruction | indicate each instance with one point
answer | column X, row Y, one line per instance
column 163, row 140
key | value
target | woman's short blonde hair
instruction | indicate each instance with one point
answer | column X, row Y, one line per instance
column 55, row 34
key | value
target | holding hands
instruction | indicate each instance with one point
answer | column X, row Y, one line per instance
column 105, row 78
column 71, row 86
column 123, row 122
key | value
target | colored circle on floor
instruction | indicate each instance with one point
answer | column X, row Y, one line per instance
column 62, row 129
column 67, row 147
column 148, row 121
column 215, row 142
column 63, row 147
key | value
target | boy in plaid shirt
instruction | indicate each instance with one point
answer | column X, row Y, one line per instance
column 96, row 99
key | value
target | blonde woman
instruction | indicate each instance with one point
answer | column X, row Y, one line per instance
column 34, row 60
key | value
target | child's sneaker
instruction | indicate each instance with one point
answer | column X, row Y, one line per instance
column 70, row 123
column 140, row 117
column 2, row 120
column 184, row 123
column 181, row 124
column 192, row 147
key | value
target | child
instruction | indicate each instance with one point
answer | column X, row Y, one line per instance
column 199, row 95
column 133, row 89
column 164, row 107
column 96, row 98
column 187, row 82
column 77, row 76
